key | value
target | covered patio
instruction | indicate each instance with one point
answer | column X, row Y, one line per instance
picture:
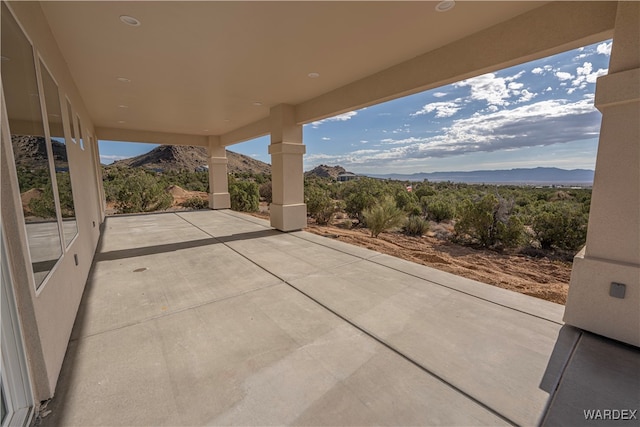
column 213, row 317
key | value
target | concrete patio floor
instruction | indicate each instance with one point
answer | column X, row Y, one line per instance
column 213, row 318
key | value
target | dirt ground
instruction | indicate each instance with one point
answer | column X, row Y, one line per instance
column 538, row 277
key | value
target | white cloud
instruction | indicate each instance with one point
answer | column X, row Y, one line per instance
column 487, row 88
column 515, row 86
column 526, row 96
column 604, row 49
column 537, row 124
column 563, row 75
column 326, row 138
column 548, row 89
column 584, row 76
column 339, row 118
column 442, row 109
column 439, row 94
column 515, row 76
column 364, row 141
column 542, row 70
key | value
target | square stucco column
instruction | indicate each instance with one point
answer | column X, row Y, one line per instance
column 604, row 293
column 288, row 211
column 218, row 179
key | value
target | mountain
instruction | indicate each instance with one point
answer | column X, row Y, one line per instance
column 324, row 171
column 31, row 152
column 541, row 176
column 179, row 157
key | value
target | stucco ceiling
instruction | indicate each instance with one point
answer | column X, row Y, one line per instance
column 199, row 67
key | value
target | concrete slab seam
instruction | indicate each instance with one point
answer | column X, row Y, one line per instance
column 379, row 340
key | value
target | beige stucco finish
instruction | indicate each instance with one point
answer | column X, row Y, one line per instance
column 219, row 197
column 612, row 252
column 288, row 211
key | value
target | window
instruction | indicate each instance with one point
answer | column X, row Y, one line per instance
column 61, row 163
column 31, row 150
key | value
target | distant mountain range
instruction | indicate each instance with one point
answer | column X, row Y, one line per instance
column 533, row 176
column 180, row 157
column 30, row 152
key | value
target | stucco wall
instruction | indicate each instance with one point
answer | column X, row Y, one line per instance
column 48, row 314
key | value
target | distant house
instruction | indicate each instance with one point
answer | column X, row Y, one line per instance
column 346, row 176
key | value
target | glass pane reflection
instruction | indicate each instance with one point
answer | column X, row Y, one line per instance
column 60, row 160
column 29, row 147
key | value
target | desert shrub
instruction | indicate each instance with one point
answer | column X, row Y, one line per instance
column 408, row 202
column 137, row 190
column 361, row 195
column 488, row 222
column 437, row 208
column 244, row 195
column 416, row 226
column 266, row 192
column 423, row 189
column 561, row 226
column 319, row 205
column 195, row 203
column 383, row 216
column 44, row 206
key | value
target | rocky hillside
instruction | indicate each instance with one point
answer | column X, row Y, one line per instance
column 324, row 171
column 178, row 157
column 31, row 152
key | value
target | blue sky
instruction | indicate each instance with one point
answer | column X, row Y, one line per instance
column 536, row 114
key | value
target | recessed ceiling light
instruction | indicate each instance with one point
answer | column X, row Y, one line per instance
column 130, row 20
column 205, row 130
column 121, row 121
column 313, row 75
column 257, row 103
column 123, row 106
column 123, row 80
column 445, row 5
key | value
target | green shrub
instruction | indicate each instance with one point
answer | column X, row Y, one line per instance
column 383, row 216
column 416, row 226
column 408, row 202
column 488, row 222
column 362, row 194
column 136, row 190
column 561, row 226
column 244, row 196
column 195, row 203
column 319, row 205
column 437, row 208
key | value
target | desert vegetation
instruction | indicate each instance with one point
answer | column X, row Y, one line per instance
column 493, row 217
column 519, row 238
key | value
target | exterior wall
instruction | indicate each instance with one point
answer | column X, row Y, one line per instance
column 612, row 253
column 48, row 314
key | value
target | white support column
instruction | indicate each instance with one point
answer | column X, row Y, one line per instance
column 218, row 180
column 612, row 254
column 288, row 211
